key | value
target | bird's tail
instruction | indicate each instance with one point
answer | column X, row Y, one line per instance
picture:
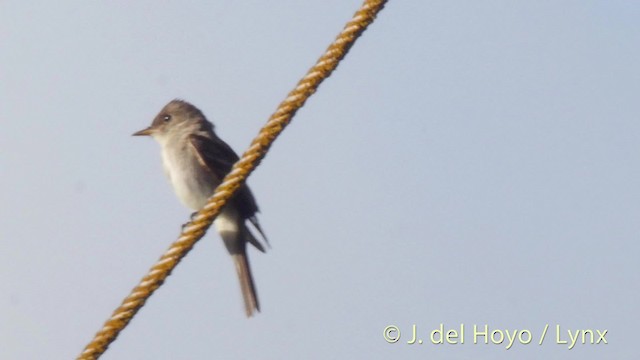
column 247, row 286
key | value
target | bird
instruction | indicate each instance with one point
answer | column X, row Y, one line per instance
column 195, row 160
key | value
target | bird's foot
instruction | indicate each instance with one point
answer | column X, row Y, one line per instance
column 193, row 214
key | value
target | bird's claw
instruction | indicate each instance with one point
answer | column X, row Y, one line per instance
column 193, row 214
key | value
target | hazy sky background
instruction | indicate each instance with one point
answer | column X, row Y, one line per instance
column 470, row 162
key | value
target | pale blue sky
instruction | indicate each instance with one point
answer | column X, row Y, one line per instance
column 468, row 163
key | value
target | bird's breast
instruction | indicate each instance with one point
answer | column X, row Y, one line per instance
column 192, row 183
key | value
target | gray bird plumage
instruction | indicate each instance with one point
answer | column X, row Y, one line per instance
column 196, row 160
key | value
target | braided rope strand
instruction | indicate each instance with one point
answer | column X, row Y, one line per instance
column 196, row 228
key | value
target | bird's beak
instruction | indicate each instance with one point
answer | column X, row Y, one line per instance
column 145, row 132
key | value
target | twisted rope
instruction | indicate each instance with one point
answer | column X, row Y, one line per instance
column 196, row 228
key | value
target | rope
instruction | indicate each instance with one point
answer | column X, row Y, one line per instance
column 196, row 228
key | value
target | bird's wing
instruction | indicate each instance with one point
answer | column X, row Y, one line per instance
column 218, row 157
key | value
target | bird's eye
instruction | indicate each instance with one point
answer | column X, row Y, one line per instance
column 167, row 118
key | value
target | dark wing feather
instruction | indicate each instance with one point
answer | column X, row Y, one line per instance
column 219, row 158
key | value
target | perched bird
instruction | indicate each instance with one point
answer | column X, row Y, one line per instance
column 196, row 160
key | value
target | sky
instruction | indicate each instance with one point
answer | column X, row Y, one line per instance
column 468, row 164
